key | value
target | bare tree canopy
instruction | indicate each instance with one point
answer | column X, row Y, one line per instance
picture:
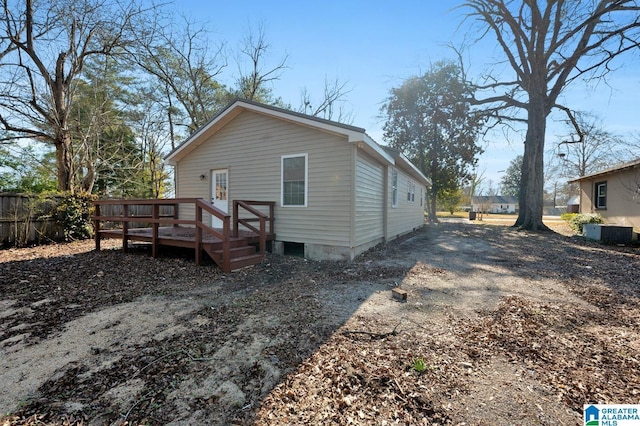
column 254, row 83
column 43, row 49
column 186, row 70
column 331, row 106
column 548, row 45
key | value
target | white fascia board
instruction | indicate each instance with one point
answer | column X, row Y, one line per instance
column 188, row 145
column 300, row 119
column 371, row 147
column 416, row 172
column 353, row 134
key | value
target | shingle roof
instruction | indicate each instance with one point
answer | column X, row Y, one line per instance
column 353, row 133
column 619, row 167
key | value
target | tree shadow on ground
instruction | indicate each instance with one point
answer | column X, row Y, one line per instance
column 181, row 343
column 141, row 340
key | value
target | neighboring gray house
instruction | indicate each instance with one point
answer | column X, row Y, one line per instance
column 495, row 204
column 337, row 192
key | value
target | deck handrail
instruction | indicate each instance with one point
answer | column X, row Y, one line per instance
column 225, row 236
column 260, row 217
column 156, row 220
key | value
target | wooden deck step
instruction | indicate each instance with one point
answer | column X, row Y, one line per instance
column 243, row 249
column 241, row 255
column 236, row 252
column 241, row 262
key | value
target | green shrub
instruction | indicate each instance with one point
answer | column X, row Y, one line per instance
column 74, row 214
column 419, row 365
column 578, row 220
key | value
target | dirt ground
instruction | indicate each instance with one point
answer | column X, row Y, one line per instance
column 500, row 327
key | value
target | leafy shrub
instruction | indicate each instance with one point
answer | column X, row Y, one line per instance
column 578, row 220
column 74, row 214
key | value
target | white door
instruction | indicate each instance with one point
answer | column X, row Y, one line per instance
column 219, row 196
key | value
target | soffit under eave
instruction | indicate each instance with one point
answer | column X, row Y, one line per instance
column 227, row 116
column 203, row 135
column 594, row 176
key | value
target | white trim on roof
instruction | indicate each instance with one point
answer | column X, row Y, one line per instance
column 354, row 134
column 620, row 167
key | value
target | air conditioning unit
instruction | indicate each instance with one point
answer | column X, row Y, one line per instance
column 608, row 233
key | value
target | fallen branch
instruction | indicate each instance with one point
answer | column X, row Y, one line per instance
column 373, row 334
column 398, row 385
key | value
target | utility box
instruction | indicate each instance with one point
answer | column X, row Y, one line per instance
column 608, row 233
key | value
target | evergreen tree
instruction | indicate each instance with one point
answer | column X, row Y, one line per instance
column 510, row 182
column 430, row 120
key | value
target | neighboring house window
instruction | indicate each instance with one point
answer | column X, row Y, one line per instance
column 394, row 186
column 411, row 192
column 294, row 180
column 421, row 196
column 601, row 195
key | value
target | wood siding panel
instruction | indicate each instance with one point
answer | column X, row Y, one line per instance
column 250, row 147
column 407, row 215
column 369, row 220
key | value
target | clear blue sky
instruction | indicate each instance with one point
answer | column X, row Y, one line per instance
column 374, row 45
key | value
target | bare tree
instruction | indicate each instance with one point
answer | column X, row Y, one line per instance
column 332, row 104
column 548, row 45
column 186, row 68
column 43, row 50
column 594, row 150
column 149, row 122
column 254, row 83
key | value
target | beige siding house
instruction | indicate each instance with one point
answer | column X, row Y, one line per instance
column 614, row 194
column 337, row 192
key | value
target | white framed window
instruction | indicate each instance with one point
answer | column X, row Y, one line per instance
column 601, row 195
column 294, row 180
column 421, row 196
column 394, row 187
column 411, row 192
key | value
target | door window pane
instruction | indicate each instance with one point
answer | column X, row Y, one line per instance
column 221, row 186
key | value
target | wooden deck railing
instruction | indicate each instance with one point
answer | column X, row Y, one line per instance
column 156, row 220
column 259, row 217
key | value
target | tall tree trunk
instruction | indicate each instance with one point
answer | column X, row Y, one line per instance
column 433, row 160
column 431, row 207
column 64, row 162
column 531, row 198
column 524, row 179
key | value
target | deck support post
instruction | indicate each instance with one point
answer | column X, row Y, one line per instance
column 226, row 244
column 176, row 209
column 154, row 230
column 125, row 228
column 96, row 225
column 198, row 234
column 263, row 236
column 235, row 218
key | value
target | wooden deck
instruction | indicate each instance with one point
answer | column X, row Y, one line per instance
column 237, row 244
